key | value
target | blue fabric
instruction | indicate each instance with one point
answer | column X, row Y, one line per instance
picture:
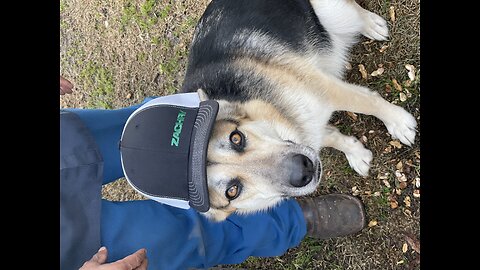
column 180, row 239
column 177, row 238
column 106, row 127
column 81, row 168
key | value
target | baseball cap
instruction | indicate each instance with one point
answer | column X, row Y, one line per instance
column 163, row 149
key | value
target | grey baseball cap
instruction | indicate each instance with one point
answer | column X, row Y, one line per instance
column 164, row 146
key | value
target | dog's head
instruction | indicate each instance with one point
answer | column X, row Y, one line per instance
column 254, row 160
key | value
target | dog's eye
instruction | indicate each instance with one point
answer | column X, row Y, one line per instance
column 238, row 140
column 233, row 191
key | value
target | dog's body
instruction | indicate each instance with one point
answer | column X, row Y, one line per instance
column 275, row 67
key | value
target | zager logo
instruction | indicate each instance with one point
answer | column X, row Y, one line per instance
column 177, row 129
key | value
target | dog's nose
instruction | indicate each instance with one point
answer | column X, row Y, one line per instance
column 301, row 171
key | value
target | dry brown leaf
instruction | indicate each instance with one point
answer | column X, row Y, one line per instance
column 386, row 183
column 376, row 193
column 403, row 97
column 371, row 131
column 399, row 165
column 407, row 213
column 372, row 223
column 129, row 95
column 387, row 150
column 416, row 193
column 382, row 176
column 398, row 191
column 407, row 83
column 383, row 48
column 364, row 139
column 363, row 71
column 402, row 185
column 411, row 72
column 405, row 247
column 413, row 242
column 348, row 66
column 407, row 201
column 392, row 13
column 393, row 204
column 378, row 72
column 355, row 191
column 396, row 85
column 388, row 88
column 409, row 163
column 396, row 144
column 400, row 262
column 352, row 115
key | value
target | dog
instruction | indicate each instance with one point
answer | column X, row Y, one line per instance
column 275, row 67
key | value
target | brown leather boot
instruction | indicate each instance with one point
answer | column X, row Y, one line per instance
column 332, row 215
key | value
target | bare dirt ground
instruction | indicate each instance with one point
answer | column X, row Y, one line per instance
column 119, row 52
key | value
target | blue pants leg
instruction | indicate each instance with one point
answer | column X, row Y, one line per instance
column 106, row 127
column 180, row 239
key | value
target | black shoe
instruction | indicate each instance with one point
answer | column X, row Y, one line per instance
column 332, row 215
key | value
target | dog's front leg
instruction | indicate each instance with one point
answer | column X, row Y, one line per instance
column 357, row 155
column 349, row 97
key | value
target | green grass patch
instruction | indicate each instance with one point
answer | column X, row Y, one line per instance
column 141, row 56
column 145, row 16
column 155, row 40
column 169, row 68
column 63, row 6
column 63, row 24
column 165, row 11
column 381, row 205
column 99, row 82
column 305, row 256
column 186, row 25
column 345, row 128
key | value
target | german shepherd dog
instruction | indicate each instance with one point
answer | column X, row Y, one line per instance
column 275, row 67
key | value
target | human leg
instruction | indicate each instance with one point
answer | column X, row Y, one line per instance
column 178, row 239
column 106, row 127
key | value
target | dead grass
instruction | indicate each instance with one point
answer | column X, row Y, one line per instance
column 119, row 52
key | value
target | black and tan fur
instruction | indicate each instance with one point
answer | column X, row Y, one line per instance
column 275, row 67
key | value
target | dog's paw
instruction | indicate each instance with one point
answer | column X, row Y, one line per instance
column 402, row 126
column 359, row 159
column 375, row 27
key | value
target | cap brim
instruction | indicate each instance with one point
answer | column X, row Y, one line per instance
column 197, row 181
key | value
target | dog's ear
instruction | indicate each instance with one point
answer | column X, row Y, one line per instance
column 202, row 95
column 230, row 110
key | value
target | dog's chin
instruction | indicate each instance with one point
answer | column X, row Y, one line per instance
column 217, row 215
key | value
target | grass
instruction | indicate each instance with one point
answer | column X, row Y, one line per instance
column 100, row 81
column 144, row 15
column 63, row 6
column 119, row 52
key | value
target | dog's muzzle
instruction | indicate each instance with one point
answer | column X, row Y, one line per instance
column 302, row 171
